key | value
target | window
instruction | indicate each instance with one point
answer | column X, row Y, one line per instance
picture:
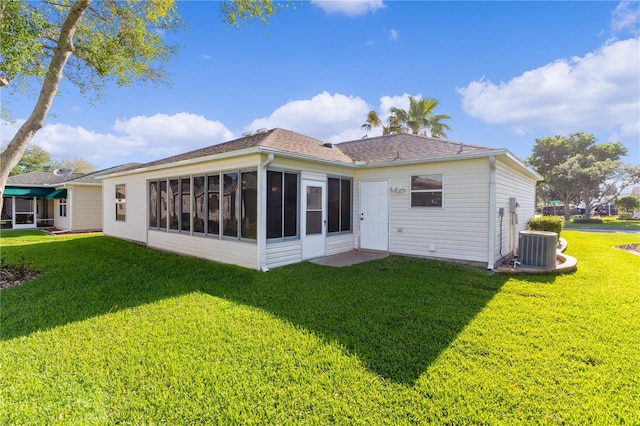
column 163, row 204
column 426, row 191
column 213, row 205
column 121, row 203
column 185, row 204
column 193, row 204
column 339, row 205
column 62, row 207
column 173, row 204
column 153, row 204
column 249, row 205
column 282, row 204
column 199, row 202
column 229, row 205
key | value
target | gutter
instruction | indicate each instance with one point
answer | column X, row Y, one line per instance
column 262, row 207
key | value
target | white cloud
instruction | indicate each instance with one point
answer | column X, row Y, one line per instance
column 139, row 138
column 599, row 92
column 349, row 8
column 626, row 16
column 397, row 101
column 393, row 35
column 324, row 116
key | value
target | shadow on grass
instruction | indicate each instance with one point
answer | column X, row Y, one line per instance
column 397, row 314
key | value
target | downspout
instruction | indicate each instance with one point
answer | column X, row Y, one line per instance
column 492, row 213
column 262, row 215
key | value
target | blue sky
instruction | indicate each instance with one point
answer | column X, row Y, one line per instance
column 506, row 72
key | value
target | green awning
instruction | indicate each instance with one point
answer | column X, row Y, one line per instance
column 58, row 193
column 26, row 192
column 16, row 192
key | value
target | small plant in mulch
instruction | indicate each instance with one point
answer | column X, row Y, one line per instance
column 16, row 273
column 629, row 247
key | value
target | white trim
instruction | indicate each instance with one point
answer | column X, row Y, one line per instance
column 491, row 255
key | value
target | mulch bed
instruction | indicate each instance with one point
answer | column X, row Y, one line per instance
column 633, row 248
column 10, row 276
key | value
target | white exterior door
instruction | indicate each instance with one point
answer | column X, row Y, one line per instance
column 374, row 215
column 314, row 218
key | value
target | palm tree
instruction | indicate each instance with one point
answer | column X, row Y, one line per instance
column 373, row 120
column 420, row 117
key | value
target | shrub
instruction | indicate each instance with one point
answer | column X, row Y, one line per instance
column 547, row 223
column 592, row 220
column 625, row 216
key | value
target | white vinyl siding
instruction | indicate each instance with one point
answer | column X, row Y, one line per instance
column 87, row 208
column 283, row 253
column 339, row 243
column 512, row 183
column 135, row 227
column 240, row 253
column 458, row 230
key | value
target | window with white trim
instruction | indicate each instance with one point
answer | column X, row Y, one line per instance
column 282, row 204
column 339, row 205
column 426, row 190
column 195, row 204
column 121, row 202
column 62, row 207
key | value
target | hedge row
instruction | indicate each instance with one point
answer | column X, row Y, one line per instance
column 547, row 223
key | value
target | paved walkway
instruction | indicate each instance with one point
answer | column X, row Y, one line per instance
column 350, row 258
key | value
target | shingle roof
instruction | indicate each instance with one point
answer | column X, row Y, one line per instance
column 92, row 177
column 47, row 178
column 373, row 150
column 279, row 139
column 399, row 147
column 40, row 178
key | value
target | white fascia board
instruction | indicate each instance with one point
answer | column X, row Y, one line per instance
column 441, row 159
column 537, row 176
column 307, row 158
column 78, row 184
column 457, row 157
column 213, row 157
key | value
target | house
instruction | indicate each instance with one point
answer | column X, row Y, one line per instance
column 278, row 197
column 43, row 199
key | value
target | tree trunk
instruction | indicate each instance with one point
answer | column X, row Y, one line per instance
column 64, row 49
column 567, row 207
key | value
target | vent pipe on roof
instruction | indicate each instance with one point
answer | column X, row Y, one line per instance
column 461, row 147
column 327, row 145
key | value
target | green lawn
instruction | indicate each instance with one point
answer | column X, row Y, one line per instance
column 116, row 333
column 607, row 223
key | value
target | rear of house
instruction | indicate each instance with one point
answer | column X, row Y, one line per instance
column 278, row 197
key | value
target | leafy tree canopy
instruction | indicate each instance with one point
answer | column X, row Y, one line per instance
column 418, row 119
column 579, row 169
column 628, row 204
column 34, row 159
column 89, row 43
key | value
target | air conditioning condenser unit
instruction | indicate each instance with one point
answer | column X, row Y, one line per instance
column 537, row 248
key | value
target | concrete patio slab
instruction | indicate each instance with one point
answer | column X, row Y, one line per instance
column 350, row 258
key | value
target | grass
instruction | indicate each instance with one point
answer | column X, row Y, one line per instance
column 116, row 333
column 610, row 223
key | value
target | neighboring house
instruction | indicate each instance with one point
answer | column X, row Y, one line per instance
column 42, row 199
column 278, row 197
